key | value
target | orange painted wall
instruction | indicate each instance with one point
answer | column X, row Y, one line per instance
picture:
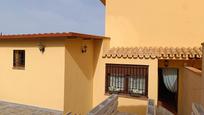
column 192, row 90
column 41, row 83
column 155, row 22
column 78, row 76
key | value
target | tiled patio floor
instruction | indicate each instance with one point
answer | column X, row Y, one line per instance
column 18, row 109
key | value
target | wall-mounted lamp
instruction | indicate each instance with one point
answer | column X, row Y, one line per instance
column 166, row 63
column 41, row 47
column 84, row 48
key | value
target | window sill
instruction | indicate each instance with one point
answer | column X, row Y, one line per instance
column 129, row 96
column 19, row 68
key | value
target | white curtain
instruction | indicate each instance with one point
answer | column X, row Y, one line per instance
column 137, row 83
column 117, row 81
column 170, row 79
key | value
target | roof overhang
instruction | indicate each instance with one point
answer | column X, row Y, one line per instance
column 103, row 1
column 51, row 35
column 166, row 53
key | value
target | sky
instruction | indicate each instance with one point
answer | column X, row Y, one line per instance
column 44, row 16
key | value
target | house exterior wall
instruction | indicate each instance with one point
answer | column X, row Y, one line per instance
column 78, row 76
column 179, row 64
column 155, row 23
column 202, row 79
column 191, row 89
column 152, row 23
column 130, row 105
column 41, row 83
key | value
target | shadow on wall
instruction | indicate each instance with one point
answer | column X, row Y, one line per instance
column 138, row 110
column 97, row 51
column 87, row 62
column 82, row 61
column 79, row 75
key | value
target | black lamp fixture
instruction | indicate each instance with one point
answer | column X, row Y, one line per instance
column 84, row 48
column 41, row 47
column 84, row 45
column 166, row 63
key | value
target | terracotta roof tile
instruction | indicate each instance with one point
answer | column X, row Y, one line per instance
column 154, row 52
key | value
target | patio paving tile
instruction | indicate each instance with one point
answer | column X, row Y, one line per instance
column 18, row 109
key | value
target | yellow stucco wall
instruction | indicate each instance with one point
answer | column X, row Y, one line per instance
column 192, row 90
column 78, row 76
column 202, row 79
column 203, row 63
column 155, row 22
column 41, row 83
column 126, row 104
column 179, row 64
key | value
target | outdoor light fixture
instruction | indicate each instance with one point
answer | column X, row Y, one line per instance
column 41, row 47
column 84, row 48
column 166, row 63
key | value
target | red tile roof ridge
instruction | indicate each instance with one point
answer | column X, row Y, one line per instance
column 52, row 34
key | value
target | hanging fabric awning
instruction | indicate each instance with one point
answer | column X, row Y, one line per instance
column 170, row 76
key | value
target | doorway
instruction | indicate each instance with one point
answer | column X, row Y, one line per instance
column 168, row 88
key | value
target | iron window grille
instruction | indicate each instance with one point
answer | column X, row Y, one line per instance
column 131, row 80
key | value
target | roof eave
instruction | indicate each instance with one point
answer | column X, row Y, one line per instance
column 103, row 1
column 52, row 35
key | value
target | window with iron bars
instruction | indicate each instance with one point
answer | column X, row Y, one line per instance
column 131, row 80
column 18, row 58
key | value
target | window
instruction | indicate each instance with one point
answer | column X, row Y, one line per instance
column 131, row 80
column 19, row 58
